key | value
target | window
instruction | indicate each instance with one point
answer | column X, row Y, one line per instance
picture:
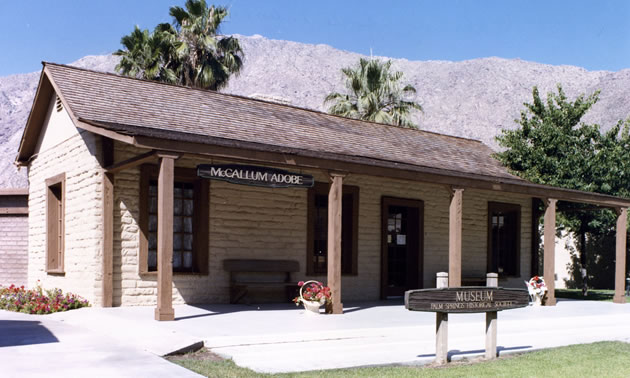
column 317, row 235
column 190, row 221
column 55, row 223
column 504, row 225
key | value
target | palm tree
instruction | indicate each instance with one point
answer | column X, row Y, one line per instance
column 141, row 57
column 149, row 56
column 190, row 52
column 374, row 94
column 206, row 61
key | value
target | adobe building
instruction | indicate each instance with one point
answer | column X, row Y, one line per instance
column 13, row 236
column 141, row 191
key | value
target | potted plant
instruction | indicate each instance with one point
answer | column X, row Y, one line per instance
column 537, row 290
column 313, row 294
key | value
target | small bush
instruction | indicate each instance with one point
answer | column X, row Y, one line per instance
column 38, row 300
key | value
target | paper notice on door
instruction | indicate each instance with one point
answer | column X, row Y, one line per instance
column 389, row 239
column 401, row 239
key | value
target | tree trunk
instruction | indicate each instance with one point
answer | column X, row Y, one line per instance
column 583, row 260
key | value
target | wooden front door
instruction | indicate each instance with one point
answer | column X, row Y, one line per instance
column 401, row 253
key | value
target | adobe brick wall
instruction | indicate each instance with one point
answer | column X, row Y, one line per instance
column 252, row 222
column 75, row 154
column 130, row 288
column 13, row 242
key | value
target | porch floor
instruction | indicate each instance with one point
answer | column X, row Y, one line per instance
column 276, row 337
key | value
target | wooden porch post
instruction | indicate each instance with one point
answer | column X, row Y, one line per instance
column 108, row 239
column 107, row 251
column 334, row 241
column 455, row 238
column 549, row 242
column 164, row 309
column 620, row 263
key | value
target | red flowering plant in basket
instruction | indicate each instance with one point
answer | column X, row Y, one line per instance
column 313, row 291
column 537, row 289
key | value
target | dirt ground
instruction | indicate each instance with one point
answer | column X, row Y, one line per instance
column 202, row 354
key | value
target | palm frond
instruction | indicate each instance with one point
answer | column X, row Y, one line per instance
column 374, row 93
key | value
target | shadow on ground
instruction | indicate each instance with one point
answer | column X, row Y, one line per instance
column 456, row 352
column 20, row 332
column 218, row 309
column 593, row 295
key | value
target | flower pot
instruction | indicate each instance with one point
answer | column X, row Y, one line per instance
column 311, row 307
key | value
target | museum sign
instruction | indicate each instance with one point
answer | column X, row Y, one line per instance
column 255, row 176
column 466, row 299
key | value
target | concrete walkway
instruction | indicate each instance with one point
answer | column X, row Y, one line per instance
column 42, row 346
column 369, row 334
column 275, row 338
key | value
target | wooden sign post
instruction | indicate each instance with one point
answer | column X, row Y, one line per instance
column 492, row 280
column 444, row 300
column 441, row 324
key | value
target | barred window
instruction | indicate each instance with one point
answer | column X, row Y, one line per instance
column 190, row 221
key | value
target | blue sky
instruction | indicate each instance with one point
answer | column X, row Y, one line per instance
column 590, row 34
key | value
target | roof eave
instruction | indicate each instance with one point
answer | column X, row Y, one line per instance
column 35, row 119
column 311, row 159
column 35, row 122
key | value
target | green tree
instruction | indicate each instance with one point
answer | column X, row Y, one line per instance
column 146, row 55
column 553, row 147
column 190, row 52
column 374, row 93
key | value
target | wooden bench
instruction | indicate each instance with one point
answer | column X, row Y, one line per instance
column 252, row 273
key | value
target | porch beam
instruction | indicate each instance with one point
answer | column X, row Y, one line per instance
column 549, row 241
column 620, row 262
column 455, row 237
column 166, row 178
column 252, row 152
column 132, row 162
column 88, row 126
column 334, row 240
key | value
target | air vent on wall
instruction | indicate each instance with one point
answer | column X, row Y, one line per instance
column 58, row 104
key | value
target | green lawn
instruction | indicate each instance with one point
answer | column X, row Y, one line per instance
column 593, row 295
column 603, row 359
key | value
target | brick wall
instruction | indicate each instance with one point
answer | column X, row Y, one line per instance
column 76, row 156
column 252, row 222
column 13, row 242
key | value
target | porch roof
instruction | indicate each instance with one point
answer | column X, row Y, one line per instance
column 157, row 115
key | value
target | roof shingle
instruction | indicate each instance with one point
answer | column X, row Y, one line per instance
column 143, row 107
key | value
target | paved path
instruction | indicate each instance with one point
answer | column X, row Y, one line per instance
column 42, row 346
column 413, row 342
column 275, row 338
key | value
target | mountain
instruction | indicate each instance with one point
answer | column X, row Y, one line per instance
column 474, row 98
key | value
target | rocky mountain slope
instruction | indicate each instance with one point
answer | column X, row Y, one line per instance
column 474, row 98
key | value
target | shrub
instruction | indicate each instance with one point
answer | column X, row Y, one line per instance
column 38, row 300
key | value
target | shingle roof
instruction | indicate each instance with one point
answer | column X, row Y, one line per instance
column 143, row 107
